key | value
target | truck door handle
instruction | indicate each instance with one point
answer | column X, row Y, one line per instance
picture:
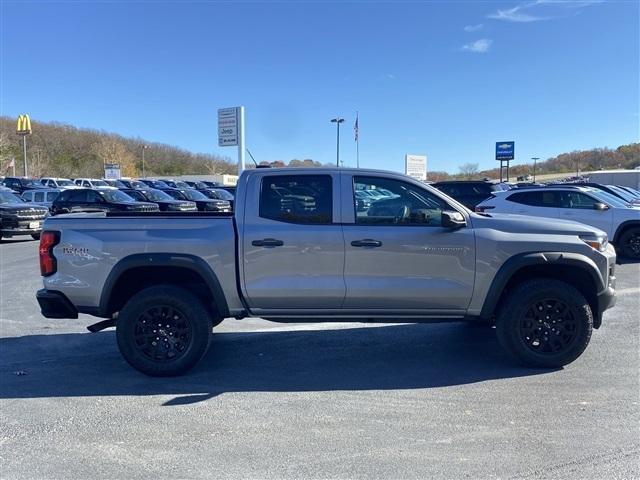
column 367, row 242
column 267, row 242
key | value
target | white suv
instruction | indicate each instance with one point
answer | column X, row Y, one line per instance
column 586, row 205
column 93, row 183
column 61, row 183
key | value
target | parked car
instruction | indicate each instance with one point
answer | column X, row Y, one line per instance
column 581, row 204
column 58, row 183
column 200, row 184
column 116, row 183
column 217, row 194
column 98, row 199
column 177, row 184
column 202, row 202
column 43, row 197
column 230, row 189
column 163, row 282
column 92, row 183
column 165, row 202
column 132, row 184
column 631, row 190
column 18, row 217
column 469, row 192
column 158, row 184
column 622, row 194
column 22, row 184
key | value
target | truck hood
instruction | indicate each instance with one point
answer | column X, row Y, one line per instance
column 511, row 223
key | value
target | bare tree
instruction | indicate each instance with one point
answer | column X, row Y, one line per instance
column 468, row 170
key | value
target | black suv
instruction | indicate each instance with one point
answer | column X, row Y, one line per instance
column 18, row 217
column 92, row 200
column 21, row 184
column 217, row 194
column 202, row 202
column 165, row 202
column 160, row 184
column 469, row 192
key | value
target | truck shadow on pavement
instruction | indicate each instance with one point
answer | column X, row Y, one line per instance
column 412, row 356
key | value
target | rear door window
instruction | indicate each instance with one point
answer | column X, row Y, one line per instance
column 536, row 199
column 305, row 199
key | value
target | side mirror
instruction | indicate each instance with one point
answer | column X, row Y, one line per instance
column 600, row 206
column 452, row 219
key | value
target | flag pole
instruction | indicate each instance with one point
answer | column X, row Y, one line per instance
column 357, row 140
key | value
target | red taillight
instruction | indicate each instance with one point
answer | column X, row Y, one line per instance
column 483, row 208
column 48, row 264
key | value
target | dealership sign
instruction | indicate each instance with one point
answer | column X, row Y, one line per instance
column 505, row 150
column 416, row 166
column 228, row 123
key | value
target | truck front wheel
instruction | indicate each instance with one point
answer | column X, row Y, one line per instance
column 163, row 330
column 629, row 244
column 545, row 323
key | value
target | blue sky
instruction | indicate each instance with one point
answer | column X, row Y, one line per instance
column 446, row 79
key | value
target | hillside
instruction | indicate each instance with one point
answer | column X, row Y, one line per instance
column 62, row 150
column 58, row 149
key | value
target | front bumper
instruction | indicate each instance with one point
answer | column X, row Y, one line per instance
column 55, row 304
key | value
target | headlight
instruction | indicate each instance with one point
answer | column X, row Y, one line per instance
column 596, row 241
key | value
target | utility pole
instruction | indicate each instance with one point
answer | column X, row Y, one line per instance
column 535, row 159
column 337, row 121
column 144, row 147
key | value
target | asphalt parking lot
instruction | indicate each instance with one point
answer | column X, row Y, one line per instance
column 312, row 401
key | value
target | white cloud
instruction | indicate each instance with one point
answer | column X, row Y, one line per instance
column 479, row 46
column 390, row 76
column 530, row 11
column 473, row 28
column 515, row 14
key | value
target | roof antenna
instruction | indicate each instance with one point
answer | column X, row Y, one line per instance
column 254, row 160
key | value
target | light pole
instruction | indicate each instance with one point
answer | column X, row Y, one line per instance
column 535, row 159
column 337, row 121
column 144, row 147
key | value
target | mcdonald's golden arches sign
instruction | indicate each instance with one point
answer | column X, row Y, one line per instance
column 24, row 125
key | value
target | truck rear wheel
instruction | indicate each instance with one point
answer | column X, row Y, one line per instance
column 163, row 330
column 545, row 323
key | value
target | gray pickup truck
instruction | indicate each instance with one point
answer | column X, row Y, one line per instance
column 317, row 245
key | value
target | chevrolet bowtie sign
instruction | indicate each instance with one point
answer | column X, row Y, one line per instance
column 505, row 150
column 24, row 125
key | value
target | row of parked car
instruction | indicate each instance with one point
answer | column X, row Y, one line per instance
column 615, row 209
column 612, row 208
column 26, row 202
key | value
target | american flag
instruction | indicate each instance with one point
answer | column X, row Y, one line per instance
column 356, row 129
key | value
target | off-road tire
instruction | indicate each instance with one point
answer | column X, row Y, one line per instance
column 173, row 318
column 544, row 323
column 629, row 243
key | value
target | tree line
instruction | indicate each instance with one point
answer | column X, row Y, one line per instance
column 57, row 149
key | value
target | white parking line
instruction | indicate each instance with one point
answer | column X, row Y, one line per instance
column 627, row 291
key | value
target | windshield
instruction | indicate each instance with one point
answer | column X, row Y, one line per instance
column 136, row 195
column 608, row 198
column 623, row 193
column 30, row 183
column 64, row 183
column 99, row 183
column 7, row 197
column 115, row 196
column 194, row 195
column 223, row 194
column 157, row 195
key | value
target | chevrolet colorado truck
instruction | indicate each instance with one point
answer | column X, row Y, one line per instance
column 299, row 248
